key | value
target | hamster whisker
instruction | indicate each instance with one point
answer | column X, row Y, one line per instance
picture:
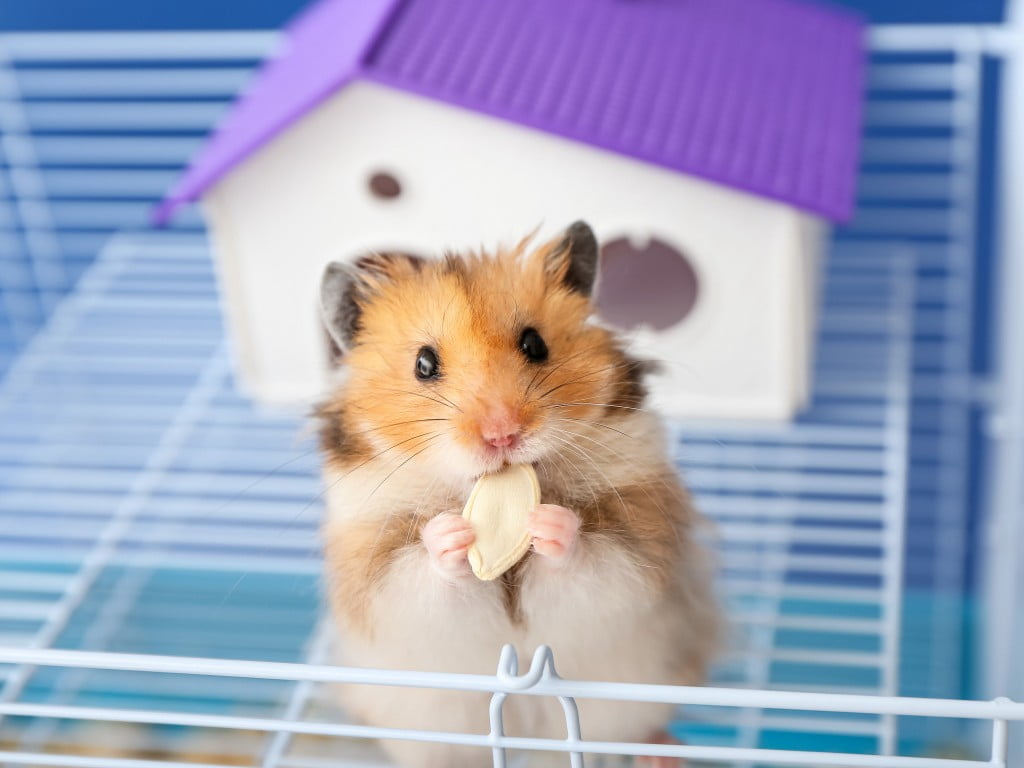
column 604, row 446
column 238, row 582
column 426, row 444
column 265, row 476
column 602, row 405
column 412, row 529
column 397, row 424
column 569, row 468
column 534, row 383
column 596, row 424
column 453, row 405
column 564, row 436
column 587, row 456
column 446, row 403
column 585, row 378
column 363, row 463
column 559, row 435
column 323, row 492
column 598, row 443
column 619, row 455
column 565, row 361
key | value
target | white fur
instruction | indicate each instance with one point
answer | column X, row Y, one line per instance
column 594, row 609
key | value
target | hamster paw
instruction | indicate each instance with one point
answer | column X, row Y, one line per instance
column 554, row 531
column 447, row 538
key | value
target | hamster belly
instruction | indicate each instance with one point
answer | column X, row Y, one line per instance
column 423, row 622
column 604, row 622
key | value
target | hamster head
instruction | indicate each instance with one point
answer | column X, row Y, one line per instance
column 469, row 363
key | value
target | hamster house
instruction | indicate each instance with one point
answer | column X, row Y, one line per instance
column 710, row 152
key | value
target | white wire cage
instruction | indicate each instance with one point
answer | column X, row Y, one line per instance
column 155, row 528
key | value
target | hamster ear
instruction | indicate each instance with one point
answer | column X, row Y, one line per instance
column 345, row 288
column 573, row 260
column 339, row 302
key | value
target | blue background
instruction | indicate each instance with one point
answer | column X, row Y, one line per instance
column 259, row 14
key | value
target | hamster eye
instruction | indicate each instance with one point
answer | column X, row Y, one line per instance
column 533, row 346
column 427, row 364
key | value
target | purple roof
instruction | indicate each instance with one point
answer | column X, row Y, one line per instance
column 761, row 95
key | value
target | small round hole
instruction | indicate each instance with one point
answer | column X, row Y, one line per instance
column 645, row 284
column 384, row 186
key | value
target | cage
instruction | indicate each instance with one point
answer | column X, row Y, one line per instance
column 158, row 550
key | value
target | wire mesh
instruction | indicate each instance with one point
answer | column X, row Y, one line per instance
column 93, row 129
column 149, row 509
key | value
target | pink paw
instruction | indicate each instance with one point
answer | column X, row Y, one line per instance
column 448, row 538
column 554, row 530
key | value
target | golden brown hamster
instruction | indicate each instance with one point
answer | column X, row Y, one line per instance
column 456, row 367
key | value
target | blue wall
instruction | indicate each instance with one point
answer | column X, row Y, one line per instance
column 258, row 14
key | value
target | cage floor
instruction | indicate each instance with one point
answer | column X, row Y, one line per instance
column 145, row 507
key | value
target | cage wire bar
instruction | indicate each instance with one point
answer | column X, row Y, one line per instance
column 1003, row 572
column 179, row 519
column 93, row 128
column 938, row 132
column 540, row 680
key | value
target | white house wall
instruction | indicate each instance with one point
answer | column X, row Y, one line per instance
column 470, row 180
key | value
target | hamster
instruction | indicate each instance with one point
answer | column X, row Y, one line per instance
column 453, row 368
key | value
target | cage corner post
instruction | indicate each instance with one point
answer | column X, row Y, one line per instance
column 1003, row 571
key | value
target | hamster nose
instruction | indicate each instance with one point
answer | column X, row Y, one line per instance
column 508, row 440
column 500, row 430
